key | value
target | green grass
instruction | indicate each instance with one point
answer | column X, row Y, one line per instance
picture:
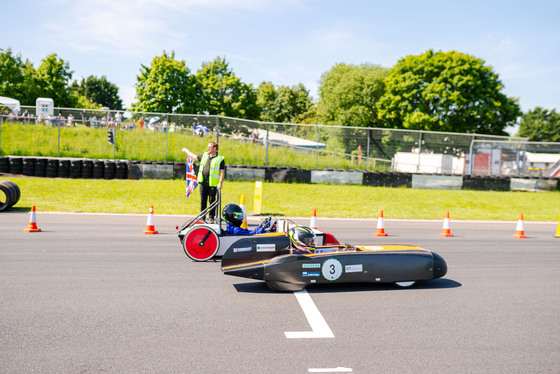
column 87, row 142
column 282, row 199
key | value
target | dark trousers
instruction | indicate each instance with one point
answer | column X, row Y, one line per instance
column 208, row 193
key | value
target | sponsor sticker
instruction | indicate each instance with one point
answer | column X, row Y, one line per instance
column 354, row 268
column 311, row 266
column 332, row 269
column 244, row 249
column 311, row 274
column 266, row 247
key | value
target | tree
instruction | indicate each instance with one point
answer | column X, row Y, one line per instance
column 348, row 95
column 166, row 86
column 224, row 94
column 285, row 104
column 99, row 91
column 541, row 125
column 17, row 78
column 52, row 81
column 446, row 91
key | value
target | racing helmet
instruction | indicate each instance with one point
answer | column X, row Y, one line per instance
column 302, row 236
column 233, row 214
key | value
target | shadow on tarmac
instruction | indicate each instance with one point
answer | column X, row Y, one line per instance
column 441, row 283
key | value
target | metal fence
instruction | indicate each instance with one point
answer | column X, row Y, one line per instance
column 160, row 136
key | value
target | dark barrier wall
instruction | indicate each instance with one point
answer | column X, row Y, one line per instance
column 126, row 169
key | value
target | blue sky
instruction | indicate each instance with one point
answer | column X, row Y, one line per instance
column 288, row 42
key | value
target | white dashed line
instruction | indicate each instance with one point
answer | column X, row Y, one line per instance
column 331, row 370
column 319, row 326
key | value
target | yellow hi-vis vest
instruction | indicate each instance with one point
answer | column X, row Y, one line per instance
column 214, row 175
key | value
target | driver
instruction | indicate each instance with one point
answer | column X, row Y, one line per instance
column 233, row 215
column 302, row 239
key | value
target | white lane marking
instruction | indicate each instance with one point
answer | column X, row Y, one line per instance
column 319, row 326
column 331, row 370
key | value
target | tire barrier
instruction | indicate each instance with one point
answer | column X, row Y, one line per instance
column 9, row 195
column 126, row 169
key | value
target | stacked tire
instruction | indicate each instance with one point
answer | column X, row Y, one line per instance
column 75, row 169
column 9, row 194
column 98, row 169
column 4, row 164
column 28, row 166
column 41, row 167
column 52, row 168
column 87, row 169
column 16, row 165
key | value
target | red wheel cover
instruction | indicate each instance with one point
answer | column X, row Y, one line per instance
column 194, row 239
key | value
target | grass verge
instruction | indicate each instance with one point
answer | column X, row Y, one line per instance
column 282, row 199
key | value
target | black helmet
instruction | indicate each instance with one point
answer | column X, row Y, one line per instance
column 302, row 236
column 233, row 214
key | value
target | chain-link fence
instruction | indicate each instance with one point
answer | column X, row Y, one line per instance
column 84, row 133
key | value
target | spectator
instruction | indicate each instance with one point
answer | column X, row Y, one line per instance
column 84, row 117
column 211, row 174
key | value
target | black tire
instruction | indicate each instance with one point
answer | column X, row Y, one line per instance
column 4, row 164
column 64, row 168
column 121, row 170
column 28, row 166
column 41, row 167
column 87, row 169
column 11, row 192
column 98, row 167
column 109, row 171
column 75, row 169
column 16, row 165
column 52, row 168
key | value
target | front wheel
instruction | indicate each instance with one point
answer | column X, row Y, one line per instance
column 405, row 284
column 201, row 243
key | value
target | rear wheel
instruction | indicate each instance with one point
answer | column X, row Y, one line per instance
column 201, row 243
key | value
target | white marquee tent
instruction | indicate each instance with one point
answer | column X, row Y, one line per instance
column 13, row 104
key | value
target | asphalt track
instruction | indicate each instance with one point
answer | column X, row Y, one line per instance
column 92, row 294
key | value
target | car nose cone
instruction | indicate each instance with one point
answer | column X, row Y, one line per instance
column 440, row 267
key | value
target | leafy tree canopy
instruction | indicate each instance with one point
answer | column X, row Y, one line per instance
column 12, row 75
column 166, row 86
column 284, row 104
column 446, row 91
column 349, row 95
column 99, row 91
column 541, row 125
column 225, row 94
column 52, row 80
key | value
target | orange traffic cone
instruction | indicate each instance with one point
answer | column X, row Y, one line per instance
column 32, row 227
column 446, row 233
column 519, row 231
column 150, row 229
column 380, row 226
column 313, row 222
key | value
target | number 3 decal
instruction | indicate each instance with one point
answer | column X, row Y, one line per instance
column 332, row 269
